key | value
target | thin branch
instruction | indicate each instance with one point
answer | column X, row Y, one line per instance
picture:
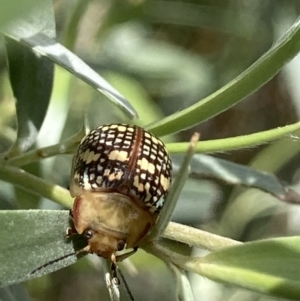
column 197, row 238
column 238, row 142
column 41, row 153
column 35, row 185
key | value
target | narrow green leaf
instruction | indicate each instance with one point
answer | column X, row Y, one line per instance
column 244, row 211
column 54, row 51
column 15, row 292
column 31, row 78
column 232, row 173
column 269, row 266
column 246, row 83
column 196, row 199
column 31, row 239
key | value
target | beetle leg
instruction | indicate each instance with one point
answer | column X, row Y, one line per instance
column 126, row 255
column 113, row 270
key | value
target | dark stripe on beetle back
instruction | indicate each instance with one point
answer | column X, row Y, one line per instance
column 133, row 158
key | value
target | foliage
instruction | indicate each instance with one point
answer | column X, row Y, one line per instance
column 40, row 132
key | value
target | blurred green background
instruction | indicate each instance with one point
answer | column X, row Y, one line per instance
column 164, row 56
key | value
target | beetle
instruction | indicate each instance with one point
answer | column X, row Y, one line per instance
column 120, row 178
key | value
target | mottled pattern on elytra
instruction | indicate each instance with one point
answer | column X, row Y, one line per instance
column 126, row 159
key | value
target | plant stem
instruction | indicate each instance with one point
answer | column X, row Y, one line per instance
column 66, row 147
column 41, row 153
column 35, row 185
column 237, row 142
column 197, row 238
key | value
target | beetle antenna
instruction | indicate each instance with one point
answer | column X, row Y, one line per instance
column 58, row 259
column 126, row 285
column 115, row 269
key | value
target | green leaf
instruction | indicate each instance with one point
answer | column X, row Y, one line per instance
column 268, row 266
column 31, row 78
column 246, row 83
column 13, row 9
column 15, row 292
column 195, row 201
column 54, row 51
column 31, row 239
column 232, row 173
column 247, row 214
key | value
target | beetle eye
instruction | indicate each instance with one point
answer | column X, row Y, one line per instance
column 88, row 233
column 121, row 245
